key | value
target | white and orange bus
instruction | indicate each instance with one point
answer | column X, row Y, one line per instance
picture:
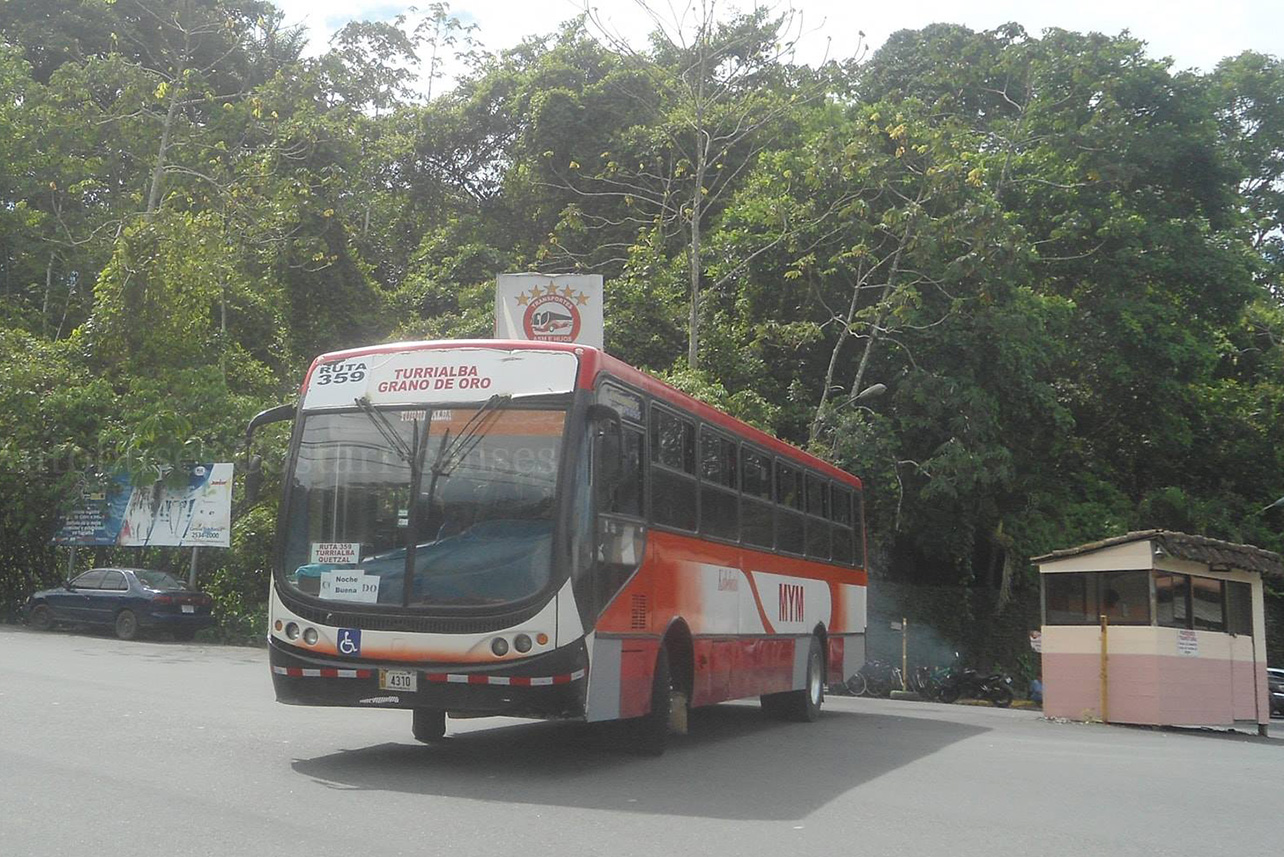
column 537, row 529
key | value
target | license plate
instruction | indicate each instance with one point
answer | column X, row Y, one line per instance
column 398, row 680
column 189, row 608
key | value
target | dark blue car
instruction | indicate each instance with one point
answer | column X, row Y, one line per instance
column 125, row 599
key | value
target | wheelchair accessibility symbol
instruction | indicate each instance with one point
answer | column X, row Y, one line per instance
column 349, row 641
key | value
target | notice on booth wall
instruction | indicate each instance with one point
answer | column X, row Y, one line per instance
column 1187, row 643
column 354, row 585
column 336, row 553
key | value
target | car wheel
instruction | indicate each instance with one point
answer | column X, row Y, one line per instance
column 41, row 618
column 126, row 625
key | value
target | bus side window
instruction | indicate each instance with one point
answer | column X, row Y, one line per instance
column 757, row 527
column 844, row 540
column 673, row 482
column 789, row 519
column 719, row 507
column 818, row 527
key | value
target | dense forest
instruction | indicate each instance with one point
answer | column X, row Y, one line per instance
column 1029, row 286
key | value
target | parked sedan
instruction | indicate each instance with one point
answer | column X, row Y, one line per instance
column 125, row 599
column 1275, row 680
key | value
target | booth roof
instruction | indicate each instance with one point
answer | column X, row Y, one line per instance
column 1214, row 553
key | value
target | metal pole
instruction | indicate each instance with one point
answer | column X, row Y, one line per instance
column 904, row 652
column 71, row 563
column 1105, row 669
column 191, row 574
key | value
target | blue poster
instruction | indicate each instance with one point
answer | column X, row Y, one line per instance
column 197, row 514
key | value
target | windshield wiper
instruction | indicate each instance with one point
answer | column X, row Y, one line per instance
column 450, row 454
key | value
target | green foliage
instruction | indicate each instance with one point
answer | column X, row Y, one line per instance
column 1061, row 260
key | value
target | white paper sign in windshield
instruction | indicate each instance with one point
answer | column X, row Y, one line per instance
column 440, row 375
column 350, row 586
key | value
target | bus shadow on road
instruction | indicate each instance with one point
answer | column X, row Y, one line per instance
column 735, row 764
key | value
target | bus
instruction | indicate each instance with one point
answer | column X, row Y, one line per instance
column 537, row 529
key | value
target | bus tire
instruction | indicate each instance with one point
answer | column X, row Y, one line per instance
column 428, row 724
column 802, row 706
column 651, row 731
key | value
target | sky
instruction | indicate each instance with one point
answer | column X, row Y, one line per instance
column 1194, row 34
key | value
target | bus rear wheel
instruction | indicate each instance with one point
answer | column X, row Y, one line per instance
column 428, row 724
column 803, row 705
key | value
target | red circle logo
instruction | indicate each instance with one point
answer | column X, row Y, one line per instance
column 551, row 318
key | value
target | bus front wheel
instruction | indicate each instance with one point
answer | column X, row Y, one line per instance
column 651, row 731
column 428, row 724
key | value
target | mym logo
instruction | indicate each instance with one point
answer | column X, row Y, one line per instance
column 791, row 602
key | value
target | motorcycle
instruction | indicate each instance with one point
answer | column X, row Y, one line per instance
column 967, row 682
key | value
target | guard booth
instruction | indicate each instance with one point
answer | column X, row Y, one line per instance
column 1157, row 628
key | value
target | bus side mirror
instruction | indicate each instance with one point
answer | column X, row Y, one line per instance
column 253, row 479
column 254, row 463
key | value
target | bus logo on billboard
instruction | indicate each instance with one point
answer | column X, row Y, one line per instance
column 791, row 602
column 551, row 316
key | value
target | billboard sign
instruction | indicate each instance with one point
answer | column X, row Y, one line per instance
column 197, row 513
column 549, row 308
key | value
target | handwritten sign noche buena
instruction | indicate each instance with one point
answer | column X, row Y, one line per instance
column 427, row 375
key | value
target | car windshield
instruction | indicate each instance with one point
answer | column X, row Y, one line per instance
column 480, row 524
column 158, row 580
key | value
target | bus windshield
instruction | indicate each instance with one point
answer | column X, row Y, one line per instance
column 482, row 517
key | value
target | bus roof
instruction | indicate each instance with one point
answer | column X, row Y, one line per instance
column 594, row 362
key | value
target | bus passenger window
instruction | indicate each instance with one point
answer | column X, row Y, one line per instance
column 756, row 512
column 719, row 506
column 789, row 523
column 841, row 512
column 787, row 492
column 756, row 475
column 672, row 441
column 673, row 484
column 818, row 526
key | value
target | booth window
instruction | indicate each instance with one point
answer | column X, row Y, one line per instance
column 1239, row 608
column 1070, row 599
column 1207, row 607
column 1172, row 600
column 1125, row 597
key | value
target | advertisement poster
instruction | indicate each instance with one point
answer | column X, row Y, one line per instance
column 197, row 514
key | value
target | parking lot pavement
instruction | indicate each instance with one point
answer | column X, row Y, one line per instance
column 180, row 750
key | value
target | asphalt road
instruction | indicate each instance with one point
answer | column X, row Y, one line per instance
column 159, row 748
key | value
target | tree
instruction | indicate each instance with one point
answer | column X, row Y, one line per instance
column 713, row 95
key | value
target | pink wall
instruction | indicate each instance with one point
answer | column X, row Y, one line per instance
column 1155, row 689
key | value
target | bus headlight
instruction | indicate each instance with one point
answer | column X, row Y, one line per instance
column 499, row 646
column 522, row 643
column 292, row 631
column 310, row 636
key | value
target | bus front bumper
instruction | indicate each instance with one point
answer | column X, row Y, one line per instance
column 551, row 685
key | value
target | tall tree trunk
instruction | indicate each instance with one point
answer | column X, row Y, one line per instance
column 158, row 170
column 832, row 369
